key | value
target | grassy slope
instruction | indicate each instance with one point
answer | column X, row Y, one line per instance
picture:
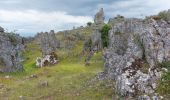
column 67, row 80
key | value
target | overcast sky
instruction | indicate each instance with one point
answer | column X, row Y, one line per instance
column 31, row 16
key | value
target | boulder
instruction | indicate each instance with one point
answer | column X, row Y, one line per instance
column 47, row 60
column 43, row 84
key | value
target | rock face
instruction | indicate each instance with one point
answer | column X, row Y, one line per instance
column 48, row 45
column 136, row 47
column 48, row 42
column 11, row 46
column 1, row 29
column 99, row 17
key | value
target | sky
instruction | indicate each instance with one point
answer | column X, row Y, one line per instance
column 27, row 17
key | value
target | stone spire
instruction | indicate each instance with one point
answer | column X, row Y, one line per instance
column 99, row 17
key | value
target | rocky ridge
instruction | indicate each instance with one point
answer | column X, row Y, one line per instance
column 136, row 48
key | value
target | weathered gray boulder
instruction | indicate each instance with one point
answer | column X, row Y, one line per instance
column 136, row 47
column 11, row 46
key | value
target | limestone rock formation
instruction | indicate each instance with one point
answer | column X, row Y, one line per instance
column 48, row 42
column 11, row 46
column 95, row 38
column 48, row 45
column 136, row 47
column 99, row 17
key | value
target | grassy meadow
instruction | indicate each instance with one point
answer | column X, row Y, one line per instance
column 67, row 80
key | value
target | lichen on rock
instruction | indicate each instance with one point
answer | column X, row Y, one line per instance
column 11, row 46
column 134, row 45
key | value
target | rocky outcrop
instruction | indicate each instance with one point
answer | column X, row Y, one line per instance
column 11, row 46
column 136, row 47
column 99, row 17
column 48, row 45
column 48, row 42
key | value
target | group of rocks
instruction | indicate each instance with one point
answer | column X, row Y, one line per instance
column 136, row 47
column 48, row 45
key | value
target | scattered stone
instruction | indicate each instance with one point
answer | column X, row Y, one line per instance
column 43, row 84
column 7, row 77
column 34, row 76
column 21, row 97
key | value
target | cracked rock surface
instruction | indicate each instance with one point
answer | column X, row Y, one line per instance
column 136, row 47
column 11, row 46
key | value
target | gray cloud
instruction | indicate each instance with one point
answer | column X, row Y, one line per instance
column 69, row 9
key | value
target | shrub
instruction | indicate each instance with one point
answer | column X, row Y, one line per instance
column 163, row 15
column 89, row 23
column 164, row 83
column 164, row 65
column 164, row 87
column 105, row 35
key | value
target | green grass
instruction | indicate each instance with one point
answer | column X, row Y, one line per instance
column 67, row 80
column 164, row 83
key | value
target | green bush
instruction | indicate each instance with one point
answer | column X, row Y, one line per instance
column 165, row 65
column 164, row 83
column 89, row 23
column 105, row 35
column 163, row 15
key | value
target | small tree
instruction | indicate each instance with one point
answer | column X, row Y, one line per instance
column 105, row 35
column 89, row 23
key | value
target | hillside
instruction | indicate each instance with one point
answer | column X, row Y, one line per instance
column 125, row 59
column 66, row 80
